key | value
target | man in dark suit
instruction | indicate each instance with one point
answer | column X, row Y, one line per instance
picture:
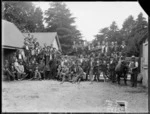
column 134, row 71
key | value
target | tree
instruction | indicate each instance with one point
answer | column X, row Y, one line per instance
column 37, row 20
column 24, row 15
column 114, row 27
column 60, row 20
column 113, row 32
column 102, row 35
column 132, row 32
column 128, row 25
column 139, row 32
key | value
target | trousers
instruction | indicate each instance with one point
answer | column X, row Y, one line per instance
column 134, row 79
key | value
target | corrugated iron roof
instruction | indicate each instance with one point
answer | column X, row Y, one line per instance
column 11, row 35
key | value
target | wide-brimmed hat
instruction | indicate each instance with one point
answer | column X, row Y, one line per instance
column 133, row 57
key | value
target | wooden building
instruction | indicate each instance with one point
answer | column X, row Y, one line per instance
column 12, row 39
column 144, row 61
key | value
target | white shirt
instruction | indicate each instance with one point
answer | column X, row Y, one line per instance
column 21, row 68
column 136, row 64
column 81, row 60
column 27, row 48
column 103, row 46
column 32, row 52
column 16, row 65
column 106, row 49
column 20, row 56
column 123, row 46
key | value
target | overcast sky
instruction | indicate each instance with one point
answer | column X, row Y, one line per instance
column 92, row 16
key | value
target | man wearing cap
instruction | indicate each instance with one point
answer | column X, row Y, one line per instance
column 134, row 71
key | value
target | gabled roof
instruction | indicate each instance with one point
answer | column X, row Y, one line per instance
column 11, row 35
column 45, row 37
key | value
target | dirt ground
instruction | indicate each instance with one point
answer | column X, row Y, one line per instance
column 51, row 96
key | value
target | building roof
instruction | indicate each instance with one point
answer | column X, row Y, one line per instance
column 11, row 36
column 45, row 37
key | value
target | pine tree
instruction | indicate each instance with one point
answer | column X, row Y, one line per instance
column 60, row 20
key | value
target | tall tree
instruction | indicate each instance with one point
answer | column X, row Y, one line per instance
column 102, row 35
column 132, row 31
column 60, row 20
column 127, row 27
column 24, row 15
column 139, row 32
column 37, row 19
column 114, row 27
column 114, row 33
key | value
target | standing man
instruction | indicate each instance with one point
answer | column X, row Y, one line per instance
column 103, row 47
column 53, row 67
column 112, row 69
column 96, row 71
column 107, row 49
column 116, row 47
column 112, row 47
column 91, row 69
column 41, row 67
column 98, row 45
column 134, row 71
column 104, row 69
column 123, row 48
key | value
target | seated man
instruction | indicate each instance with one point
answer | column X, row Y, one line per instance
column 13, row 71
column 64, row 73
column 41, row 68
column 72, row 71
column 29, row 70
column 7, row 72
column 37, row 74
column 79, row 74
column 20, row 69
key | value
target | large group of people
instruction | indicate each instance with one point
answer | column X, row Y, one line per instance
column 32, row 62
column 45, row 63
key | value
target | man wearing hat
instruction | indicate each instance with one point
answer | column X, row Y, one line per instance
column 96, row 68
column 112, row 69
column 134, row 71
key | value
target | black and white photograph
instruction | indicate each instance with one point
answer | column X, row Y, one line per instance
column 74, row 56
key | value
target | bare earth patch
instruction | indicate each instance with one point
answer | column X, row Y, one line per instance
column 51, row 96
